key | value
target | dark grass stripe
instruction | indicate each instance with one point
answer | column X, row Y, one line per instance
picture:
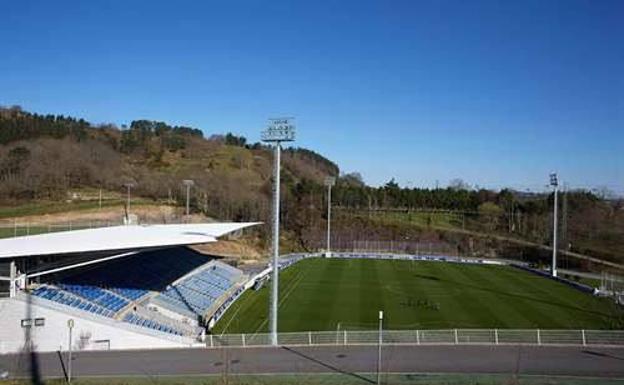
column 483, row 288
column 535, row 309
column 584, row 308
column 476, row 305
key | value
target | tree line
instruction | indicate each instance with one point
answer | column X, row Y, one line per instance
column 45, row 157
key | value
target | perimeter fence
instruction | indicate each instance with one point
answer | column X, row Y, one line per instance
column 427, row 337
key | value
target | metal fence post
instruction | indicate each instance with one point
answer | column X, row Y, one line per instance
column 539, row 339
column 211, row 342
column 456, row 339
column 417, row 337
column 243, row 338
column 309, row 338
column 583, row 335
column 345, row 338
column 496, row 336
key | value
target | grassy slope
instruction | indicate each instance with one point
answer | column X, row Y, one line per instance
column 318, row 294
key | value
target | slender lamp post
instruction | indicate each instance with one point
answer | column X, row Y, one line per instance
column 70, row 326
column 279, row 130
column 380, row 342
column 188, row 183
column 555, row 184
column 329, row 182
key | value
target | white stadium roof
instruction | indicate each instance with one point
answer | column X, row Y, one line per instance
column 116, row 238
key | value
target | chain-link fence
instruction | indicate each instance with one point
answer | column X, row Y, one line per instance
column 424, row 337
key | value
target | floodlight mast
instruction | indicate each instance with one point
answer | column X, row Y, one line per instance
column 329, row 182
column 279, row 130
column 554, row 182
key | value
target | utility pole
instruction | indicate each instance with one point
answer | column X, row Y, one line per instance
column 188, row 183
column 555, row 184
column 329, row 182
column 279, row 130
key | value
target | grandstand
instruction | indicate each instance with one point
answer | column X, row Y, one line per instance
column 130, row 296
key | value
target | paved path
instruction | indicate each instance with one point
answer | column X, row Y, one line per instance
column 349, row 360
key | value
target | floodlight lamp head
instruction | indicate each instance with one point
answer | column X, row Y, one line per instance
column 330, row 181
column 188, row 182
column 279, row 130
column 553, row 179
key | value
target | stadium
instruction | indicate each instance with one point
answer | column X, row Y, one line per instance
column 131, row 286
column 136, row 300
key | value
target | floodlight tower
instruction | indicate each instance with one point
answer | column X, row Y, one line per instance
column 188, row 183
column 329, row 182
column 279, row 130
column 554, row 182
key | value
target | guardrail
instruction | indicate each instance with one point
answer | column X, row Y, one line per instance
column 427, row 337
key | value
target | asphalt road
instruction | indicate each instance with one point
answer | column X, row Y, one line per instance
column 349, row 360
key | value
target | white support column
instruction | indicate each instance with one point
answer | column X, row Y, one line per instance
column 12, row 280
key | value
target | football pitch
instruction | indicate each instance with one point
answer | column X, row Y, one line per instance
column 329, row 294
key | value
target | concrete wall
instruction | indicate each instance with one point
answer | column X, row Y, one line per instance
column 88, row 329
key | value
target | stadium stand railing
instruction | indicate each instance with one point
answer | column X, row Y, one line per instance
column 534, row 337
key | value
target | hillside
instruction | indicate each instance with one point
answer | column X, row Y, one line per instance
column 52, row 164
column 49, row 158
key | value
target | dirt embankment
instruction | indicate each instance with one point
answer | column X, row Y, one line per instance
column 111, row 215
column 243, row 251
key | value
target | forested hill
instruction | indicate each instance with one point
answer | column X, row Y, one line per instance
column 47, row 157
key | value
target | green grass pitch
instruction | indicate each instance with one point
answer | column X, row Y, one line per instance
column 326, row 294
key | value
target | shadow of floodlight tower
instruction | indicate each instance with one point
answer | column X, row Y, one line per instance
column 279, row 130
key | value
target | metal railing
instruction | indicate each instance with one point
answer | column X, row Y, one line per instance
column 427, row 337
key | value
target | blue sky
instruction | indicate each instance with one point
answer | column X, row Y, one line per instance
column 498, row 93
